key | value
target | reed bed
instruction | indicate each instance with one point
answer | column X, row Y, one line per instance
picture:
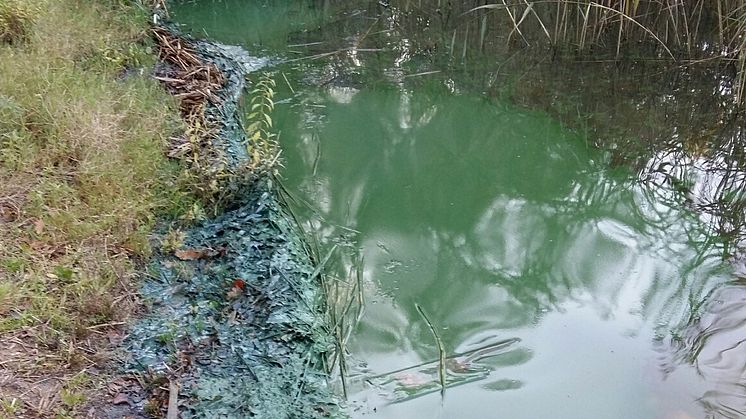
column 686, row 27
column 694, row 30
column 711, row 32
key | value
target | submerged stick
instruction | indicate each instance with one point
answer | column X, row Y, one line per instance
column 472, row 355
column 342, row 362
column 288, row 82
column 360, row 294
column 441, row 352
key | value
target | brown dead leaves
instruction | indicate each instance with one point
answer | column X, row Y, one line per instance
column 197, row 254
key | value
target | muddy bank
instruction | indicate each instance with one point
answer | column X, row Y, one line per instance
column 233, row 323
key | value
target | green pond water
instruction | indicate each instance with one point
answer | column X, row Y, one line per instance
column 561, row 287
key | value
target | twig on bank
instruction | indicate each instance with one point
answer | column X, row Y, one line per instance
column 173, row 400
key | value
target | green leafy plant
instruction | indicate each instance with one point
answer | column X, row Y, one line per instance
column 261, row 142
column 72, row 396
column 173, row 240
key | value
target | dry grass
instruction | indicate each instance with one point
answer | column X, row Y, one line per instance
column 689, row 31
column 195, row 84
column 83, row 177
column 16, row 19
column 682, row 24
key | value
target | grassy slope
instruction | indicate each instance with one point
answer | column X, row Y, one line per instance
column 83, row 176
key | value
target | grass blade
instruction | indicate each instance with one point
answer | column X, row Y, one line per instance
column 441, row 352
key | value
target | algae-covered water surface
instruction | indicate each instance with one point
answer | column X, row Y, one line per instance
column 559, row 283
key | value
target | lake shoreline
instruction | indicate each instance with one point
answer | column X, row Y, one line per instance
column 235, row 323
column 262, row 348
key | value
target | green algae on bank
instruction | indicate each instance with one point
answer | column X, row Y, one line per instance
column 243, row 324
column 234, row 313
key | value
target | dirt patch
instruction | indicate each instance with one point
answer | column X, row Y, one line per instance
column 40, row 379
